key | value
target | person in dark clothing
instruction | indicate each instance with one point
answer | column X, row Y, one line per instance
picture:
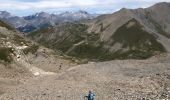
column 91, row 95
column 60, row 66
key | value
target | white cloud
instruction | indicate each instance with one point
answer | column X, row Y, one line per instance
column 102, row 5
column 45, row 4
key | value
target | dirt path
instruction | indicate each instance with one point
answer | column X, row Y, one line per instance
column 74, row 46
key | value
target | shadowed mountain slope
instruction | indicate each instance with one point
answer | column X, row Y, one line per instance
column 126, row 34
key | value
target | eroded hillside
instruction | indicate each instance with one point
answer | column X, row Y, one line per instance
column 21, row 59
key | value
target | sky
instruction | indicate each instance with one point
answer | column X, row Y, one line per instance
column 27, row 7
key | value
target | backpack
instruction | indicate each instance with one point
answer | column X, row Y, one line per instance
column 91, row 96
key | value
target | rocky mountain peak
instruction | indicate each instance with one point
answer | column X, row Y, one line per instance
column 162, row 5
column 5, row 14
column 124, row 9
column 83, row 12
column 80, row 12
column 43, row 14
column 37, row 15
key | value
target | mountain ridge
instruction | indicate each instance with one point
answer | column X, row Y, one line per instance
column 43, row 19
column 144, row 16
column 140, row 29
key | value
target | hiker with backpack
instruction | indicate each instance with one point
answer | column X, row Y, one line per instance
column 91, row 95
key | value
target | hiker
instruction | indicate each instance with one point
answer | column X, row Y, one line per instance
column 91, row 95
column 60, row 66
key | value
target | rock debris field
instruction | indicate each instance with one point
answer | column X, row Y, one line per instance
column 112, row 80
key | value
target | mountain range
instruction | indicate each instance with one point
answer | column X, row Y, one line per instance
column 42, row 19
column 125, row 34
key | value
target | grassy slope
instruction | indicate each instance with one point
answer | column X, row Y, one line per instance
column 3, row 24
column 10, row 36
column 144, row 43
column 5, row 51
column 141, row 43
column 5, row 54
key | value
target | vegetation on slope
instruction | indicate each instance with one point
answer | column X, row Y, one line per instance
column 141, row 43
column 5, row 54
column 74, row 40
column 3, row 24
column 74, row 33
column 31, row 49
column 19, row 40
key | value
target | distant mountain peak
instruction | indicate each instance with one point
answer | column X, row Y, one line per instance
column 5, row 14
column 37, row 15
column 161, row 4
column 124, row 10
column 77, row 12
column 82, row 11
column 66, row 13
column 43, row 19
column 43, row 13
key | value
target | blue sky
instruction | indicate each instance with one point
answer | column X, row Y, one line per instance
column 26, row 7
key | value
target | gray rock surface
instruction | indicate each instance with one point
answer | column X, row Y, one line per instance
column 113, row 80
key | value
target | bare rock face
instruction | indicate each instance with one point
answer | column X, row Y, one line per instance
column 159, row 13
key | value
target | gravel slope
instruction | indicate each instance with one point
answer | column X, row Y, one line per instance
column 113, row 80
